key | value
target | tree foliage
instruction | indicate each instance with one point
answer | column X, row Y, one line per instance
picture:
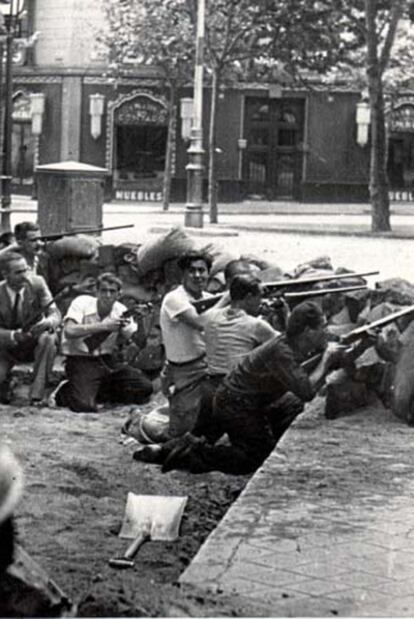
column 158, row 33
column 364, row 43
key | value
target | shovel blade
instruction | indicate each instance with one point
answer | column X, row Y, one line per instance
column 158, row 515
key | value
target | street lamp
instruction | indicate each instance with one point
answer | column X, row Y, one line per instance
column 15, row 10
column 194, row 204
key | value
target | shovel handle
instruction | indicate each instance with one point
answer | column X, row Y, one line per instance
column 133, row 548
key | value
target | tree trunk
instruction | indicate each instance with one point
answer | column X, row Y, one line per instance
column 378, row 182
column 166, row 185
column 212, row 155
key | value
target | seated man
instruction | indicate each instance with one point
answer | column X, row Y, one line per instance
column 24, row 297
column 29, row 245
column 92, row 326
column 230, row 333
column 267, row 374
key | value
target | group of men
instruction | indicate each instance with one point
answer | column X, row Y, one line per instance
column 228, row 372
column 31, row 329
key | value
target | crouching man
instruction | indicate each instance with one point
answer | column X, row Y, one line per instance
column 92, row 326
column 28, row 320
column 242, row 404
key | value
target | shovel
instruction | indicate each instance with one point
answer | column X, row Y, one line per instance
column 148, row 517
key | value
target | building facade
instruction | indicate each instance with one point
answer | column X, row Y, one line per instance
column 274, row 142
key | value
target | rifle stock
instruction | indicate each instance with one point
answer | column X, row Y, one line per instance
column 59, row 235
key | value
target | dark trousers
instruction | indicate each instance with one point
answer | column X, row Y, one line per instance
column 42, row 351
column 206, row 424
column 253, row 430
column 92, row 379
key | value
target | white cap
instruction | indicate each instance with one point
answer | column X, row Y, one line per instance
column 11, row 482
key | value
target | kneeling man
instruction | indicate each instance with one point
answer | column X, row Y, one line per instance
column 243, row 402
column 92, row 326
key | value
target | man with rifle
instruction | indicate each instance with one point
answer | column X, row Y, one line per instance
column 92, row 326
column 231, row 332
column 28, row 321
column 242, row 404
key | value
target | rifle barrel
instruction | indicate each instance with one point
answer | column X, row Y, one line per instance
column 287, row 283
column 315, row 293
column 58, row 235
column 357, row 333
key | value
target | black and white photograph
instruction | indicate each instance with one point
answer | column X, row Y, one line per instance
column 206, row 308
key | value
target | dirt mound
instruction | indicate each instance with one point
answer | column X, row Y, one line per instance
column 78, row 473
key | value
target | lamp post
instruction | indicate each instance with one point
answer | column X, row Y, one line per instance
column 194, row 204
column 6, row 175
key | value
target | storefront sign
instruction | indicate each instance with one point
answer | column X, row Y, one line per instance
column 401, row 195
column 138, row 196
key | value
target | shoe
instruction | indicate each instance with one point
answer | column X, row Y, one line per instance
column 177, row 455
column 35, row 402
column 149, row 453
column 51, row 401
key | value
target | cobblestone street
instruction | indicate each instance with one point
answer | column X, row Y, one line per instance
column 334, row 533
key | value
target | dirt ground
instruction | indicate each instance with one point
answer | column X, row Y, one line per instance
column 78, row 472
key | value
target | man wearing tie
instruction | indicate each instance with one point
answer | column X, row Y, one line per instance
column 23, row 296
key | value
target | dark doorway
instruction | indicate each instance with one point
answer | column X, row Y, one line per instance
column 272, row 161
column 22, row 156
column 140, row 151
column 401, row 161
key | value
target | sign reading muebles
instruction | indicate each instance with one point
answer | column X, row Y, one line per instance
column 401, row 195
column 138, row 196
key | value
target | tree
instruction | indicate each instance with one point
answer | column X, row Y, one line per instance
column 353, row 35
column 158, row 33
column 232, row 37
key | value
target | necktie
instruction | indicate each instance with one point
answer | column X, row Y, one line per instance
column 15, row 310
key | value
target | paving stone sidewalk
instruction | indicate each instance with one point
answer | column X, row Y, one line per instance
column 325, row 527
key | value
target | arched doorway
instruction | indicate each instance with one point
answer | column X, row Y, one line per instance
column 401, row 150
column 139, row 139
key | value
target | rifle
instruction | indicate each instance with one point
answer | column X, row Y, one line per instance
column 304, row 294
column 59, row 235
column 95, row 340
column 39, row 315
column 358, row 333
column 202, row 305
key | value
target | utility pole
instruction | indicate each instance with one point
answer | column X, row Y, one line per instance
column 8, row 124
column 194, row 204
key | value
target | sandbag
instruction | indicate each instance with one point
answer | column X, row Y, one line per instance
column 395, row 290
column 149, row 427
column 256, row 260
column 356, row 301
column 321, row 263
column 80, row 246
column 271, row 274
column 152, row 254
column 402, row 399
column 221, row 260
column 345, row 395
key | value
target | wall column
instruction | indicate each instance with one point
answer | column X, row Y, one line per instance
column 71, row 119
